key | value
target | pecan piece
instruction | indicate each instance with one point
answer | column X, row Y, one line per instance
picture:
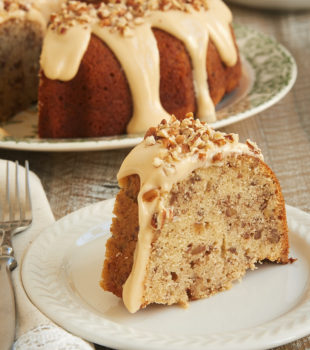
column 217, row 157
column 154, row 220
column 150, row 132
column 150, row 195
column 220, row 142
column 199, row 249
column 185, row 148
column 230, row 212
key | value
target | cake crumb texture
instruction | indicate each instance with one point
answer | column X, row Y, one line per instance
column 225, row 219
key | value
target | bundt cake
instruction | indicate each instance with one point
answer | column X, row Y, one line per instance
column 121, row 66
column 21, row 34
column 22, row 27
column 196, row 209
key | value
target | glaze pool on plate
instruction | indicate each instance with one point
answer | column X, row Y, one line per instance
column 270, row 307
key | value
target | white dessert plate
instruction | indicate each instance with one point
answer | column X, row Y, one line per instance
column 61, row 274
column 275, row 4
column 269, row 72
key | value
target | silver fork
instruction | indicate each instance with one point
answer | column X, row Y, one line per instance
column 15, row 217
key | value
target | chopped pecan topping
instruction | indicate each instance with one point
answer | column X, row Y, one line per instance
column 180, row 139
column 188, row 137
column 150, row 140
column 119, row 15
column 150, row 132
column 229, row 137
column 185, row 148
column 15, row 5
column 253, row 147
column 202, row 156
column 220, row 142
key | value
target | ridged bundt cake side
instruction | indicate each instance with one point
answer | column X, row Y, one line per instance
column 95, row 102
column 196, row 209
column 160, row 66
column 83, row 106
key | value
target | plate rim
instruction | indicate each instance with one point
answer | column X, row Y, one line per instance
column 124, row 141
column 128, row 338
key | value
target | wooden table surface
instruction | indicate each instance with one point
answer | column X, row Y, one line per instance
column 74, row 180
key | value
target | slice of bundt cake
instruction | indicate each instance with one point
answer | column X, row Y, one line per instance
column 121, row 66
column 196, row 209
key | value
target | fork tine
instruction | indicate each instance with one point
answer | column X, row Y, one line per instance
column 28, row 204
column 16, row 206
column 8, row 196
column 17, row 202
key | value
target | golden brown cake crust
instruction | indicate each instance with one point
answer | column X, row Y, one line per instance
column 120, row 247
column 95, row 102
column 284, row 257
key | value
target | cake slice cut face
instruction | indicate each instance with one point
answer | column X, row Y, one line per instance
column 196, row 209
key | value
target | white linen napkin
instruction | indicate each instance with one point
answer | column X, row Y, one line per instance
column 34, row 330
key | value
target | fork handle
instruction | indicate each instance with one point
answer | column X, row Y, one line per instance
column 7, row 304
